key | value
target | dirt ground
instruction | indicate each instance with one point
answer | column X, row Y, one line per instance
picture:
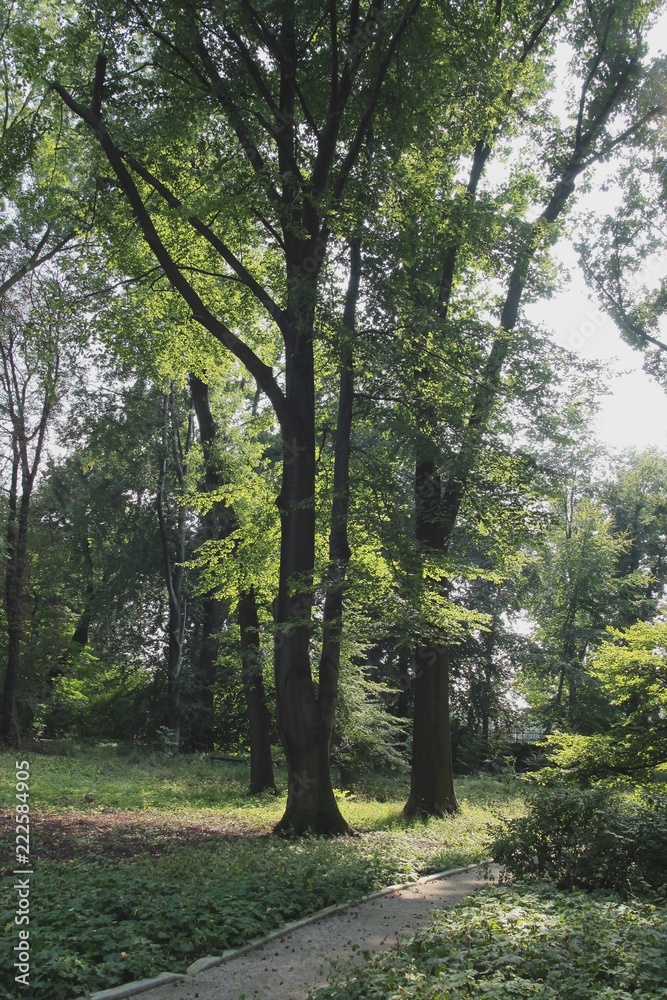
column 291, row 966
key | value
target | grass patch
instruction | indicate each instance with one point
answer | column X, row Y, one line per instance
column 521, row 941
column 166, row 861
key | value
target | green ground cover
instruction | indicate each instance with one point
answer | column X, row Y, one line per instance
column 143, row 864
column 524, row 941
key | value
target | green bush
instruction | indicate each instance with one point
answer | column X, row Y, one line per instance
column 520, row 941
column 588, row 838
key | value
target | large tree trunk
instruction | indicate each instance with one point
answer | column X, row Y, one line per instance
column 432, row 778
column 305, row 717
column 259, row 720
column 432, row 782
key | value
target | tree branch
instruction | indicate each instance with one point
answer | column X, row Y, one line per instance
column 214, row 241
column 355, row 147
column 262, row 373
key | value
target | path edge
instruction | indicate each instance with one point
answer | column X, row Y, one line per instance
column 210, row 961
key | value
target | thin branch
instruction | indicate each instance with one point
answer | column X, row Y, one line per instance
column 366, row 118
column 248, row 145
column 35, row 260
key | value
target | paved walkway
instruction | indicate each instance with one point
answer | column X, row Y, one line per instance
column 290, row 966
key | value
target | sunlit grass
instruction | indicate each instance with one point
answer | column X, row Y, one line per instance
column 143, row 862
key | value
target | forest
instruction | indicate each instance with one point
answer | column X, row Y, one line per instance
column 291, row 481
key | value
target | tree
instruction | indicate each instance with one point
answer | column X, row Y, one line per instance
column 298, row 106
column 631, row 668
column 578, row 597
column 615, row 104
column 39, row 342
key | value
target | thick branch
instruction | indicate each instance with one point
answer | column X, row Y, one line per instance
column 262, row 373
column 213, row 240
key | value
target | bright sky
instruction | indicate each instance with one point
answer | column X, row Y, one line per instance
column 635, row 413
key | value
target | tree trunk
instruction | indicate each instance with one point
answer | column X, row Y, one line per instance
column 339, row 549
column 82, row 630
column 304, row 726
column 173, row 563
column 10, row 719
column 432, row 777
column 432, row 781
column 217, row 523
column 15, row 568
column 212, row 619
column 259, row 720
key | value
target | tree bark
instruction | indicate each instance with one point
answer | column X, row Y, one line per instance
column 305, row 729
column 432, row 782
column 259, row 720
column 217, row 524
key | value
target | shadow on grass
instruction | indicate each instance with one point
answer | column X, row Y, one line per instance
column 111, row 836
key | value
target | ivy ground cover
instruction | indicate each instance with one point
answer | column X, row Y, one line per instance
column 141, row 865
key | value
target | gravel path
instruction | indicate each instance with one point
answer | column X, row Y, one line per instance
column 292, row 965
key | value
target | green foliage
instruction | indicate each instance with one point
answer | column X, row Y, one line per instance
column 588, row 838
column 631, row 669
column 100, row 921
column 522, row 941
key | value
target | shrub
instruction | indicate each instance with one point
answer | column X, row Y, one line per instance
column 588, row 838
column 519, row 941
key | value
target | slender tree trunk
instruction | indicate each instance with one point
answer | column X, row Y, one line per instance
column 259, row 720
column 489, row 647
column 16, row 563
column 14, row 575
column 173, row 565
column 217, row 524
column 339, row 549
column 212, row 620
column 82, row 630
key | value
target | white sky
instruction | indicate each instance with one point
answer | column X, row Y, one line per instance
column 635, row 413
